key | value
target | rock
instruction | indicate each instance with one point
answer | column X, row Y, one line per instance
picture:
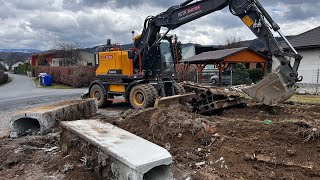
column 272, row 175
column 291, row 152
column 263, row 158
column 248, row 157
column 200, row 163
column 67, row 167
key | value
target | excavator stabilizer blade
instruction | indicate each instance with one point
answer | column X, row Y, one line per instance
column 173, row 100
column 270, row 91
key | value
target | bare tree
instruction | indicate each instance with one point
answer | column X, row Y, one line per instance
column 69, row 51
column 233, row 42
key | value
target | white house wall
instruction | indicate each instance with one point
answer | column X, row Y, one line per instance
column 56, row 61
column 308, row 67
column 188, row 51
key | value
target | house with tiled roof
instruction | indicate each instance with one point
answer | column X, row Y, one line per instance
column 308, row 45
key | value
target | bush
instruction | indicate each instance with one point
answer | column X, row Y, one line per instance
column 255, row 75
column 22, row 69
column 2, row 68
column 75, row 76
column 3, row 77
column 189, row 73
column 241, row 75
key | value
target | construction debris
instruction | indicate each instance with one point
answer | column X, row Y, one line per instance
column 210, row 99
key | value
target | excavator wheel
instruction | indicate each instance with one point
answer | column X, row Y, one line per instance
column 179, row 89
column 143, row 96
column 96, row 92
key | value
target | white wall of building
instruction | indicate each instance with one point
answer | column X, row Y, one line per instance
column 188, row 51
column 87, row 58
column 56, row 61
column 308, row 67
column 5, row 65
column 16, row 65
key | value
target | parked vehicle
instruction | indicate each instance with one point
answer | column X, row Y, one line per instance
column 226, row 78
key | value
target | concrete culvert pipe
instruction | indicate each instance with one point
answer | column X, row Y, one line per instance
column 159, row 173
column 43, row 118
column 25, row 126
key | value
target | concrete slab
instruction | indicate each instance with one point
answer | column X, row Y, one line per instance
column 42, row 119
column 135, row 157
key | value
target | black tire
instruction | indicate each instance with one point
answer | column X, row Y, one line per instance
column 214, row 81
column 179, row 89
column 97, row 93
column 143, row 96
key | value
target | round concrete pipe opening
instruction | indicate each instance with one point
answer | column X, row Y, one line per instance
column 25, row 126
column 158, row 173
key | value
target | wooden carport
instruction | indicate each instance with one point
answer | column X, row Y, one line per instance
column 222, row 58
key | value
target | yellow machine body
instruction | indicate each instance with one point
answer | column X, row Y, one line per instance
column 114, row 63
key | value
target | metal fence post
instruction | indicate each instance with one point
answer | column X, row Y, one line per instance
column 318, row 73
column 231, row 78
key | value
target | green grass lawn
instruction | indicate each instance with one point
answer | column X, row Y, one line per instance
column 305, row 99
column 53, row 86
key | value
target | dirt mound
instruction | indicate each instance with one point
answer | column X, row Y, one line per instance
column 242, row 146
column 254, row 142
column 37, row 157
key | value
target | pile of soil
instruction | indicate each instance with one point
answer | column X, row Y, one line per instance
column 250, row 143
column 38, row 158
column 253, row 142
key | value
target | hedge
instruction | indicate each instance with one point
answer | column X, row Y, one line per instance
column 23, row 68
column 186, row 74
column 3, row 77
column 255, row 75
column 74, row 76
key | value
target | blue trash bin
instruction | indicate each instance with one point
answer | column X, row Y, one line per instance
column 41, row 75
column 46, row 80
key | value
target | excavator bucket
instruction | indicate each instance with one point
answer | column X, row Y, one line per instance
column 271, row 91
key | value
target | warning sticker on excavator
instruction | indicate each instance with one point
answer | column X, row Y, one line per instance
column 247, row 20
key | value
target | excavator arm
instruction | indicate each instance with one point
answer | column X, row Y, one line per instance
column 274, row 88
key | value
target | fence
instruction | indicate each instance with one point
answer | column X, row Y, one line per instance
column 310, row 83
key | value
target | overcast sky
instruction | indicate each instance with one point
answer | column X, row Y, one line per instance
column 37, row 23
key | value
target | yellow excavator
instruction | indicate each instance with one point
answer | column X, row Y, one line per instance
column 140, row 75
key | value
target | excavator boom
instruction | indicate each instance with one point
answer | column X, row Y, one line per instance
column 274, row 88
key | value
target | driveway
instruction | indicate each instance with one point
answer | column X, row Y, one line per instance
column 21, row 94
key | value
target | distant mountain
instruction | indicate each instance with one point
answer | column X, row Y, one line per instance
column 14, row 57
column 19, row 50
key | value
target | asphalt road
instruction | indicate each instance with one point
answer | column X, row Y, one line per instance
column 22, row 94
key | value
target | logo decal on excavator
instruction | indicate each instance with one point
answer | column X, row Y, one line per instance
column 189, row 12
column 247, row 20
column 109, row 57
